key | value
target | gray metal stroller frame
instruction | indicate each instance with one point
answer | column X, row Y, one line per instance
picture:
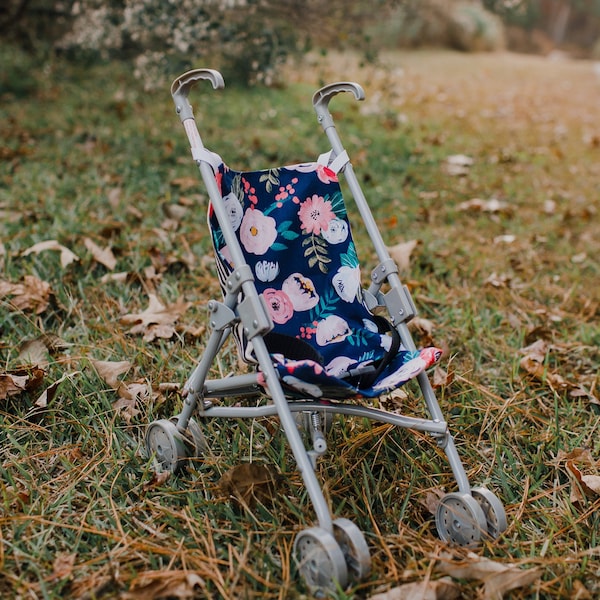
column 334, row 553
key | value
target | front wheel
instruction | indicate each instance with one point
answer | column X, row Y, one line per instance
column 460, row 520
column 321, row 561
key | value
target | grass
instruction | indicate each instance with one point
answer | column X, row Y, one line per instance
column 87, row 154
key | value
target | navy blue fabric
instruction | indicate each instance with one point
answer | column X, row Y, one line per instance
column 293, row 228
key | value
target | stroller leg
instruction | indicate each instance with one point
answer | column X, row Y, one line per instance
column 297, row 446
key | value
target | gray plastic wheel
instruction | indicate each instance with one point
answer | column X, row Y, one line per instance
column 166, row 443
column 320, row 561
column 354, row 547
column 195, row 440
column 460, row 520
column 493, row 511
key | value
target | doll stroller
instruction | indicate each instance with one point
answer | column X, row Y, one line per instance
column 292, row 299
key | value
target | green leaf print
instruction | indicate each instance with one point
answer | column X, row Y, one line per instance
column 316, row 252
column 270, row 178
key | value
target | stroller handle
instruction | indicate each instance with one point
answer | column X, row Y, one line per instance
column 323, row 96
column 180, row 88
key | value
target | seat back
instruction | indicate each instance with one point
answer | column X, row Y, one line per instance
column 294, row 232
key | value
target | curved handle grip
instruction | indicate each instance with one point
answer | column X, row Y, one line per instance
column 180, row 88
column 322, row 97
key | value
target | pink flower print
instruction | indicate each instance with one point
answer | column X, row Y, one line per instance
column 315, row 214
column 257, row 231
column 279, row 305
column 325, row 174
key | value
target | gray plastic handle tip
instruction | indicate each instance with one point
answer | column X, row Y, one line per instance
column 180, row 88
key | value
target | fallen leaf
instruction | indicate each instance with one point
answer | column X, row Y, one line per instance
column 430, row 501
column 401, row 253
column 109, row 371
column 158, row 320
column 580, row 592
column 533, row 362
column 505, row 239
column 175, row 212
column 31, row 294
column 48, row 394
column 441, row 377
column 440, row 589
column 498, row 578
column 11, row 384
column 457, row 165
column 62, row 567
column 129, row 396
column 582, row 485
column 158, row 478
column 25, row 379
column 33, row 352
column 155, row 585
column 493, row 205
column 66, row 256
column 104, row 256
column 249, row 482
column 498, row 281
column 185, row 183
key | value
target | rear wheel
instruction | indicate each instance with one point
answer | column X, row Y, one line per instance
column 493, row 511
column 320, row 561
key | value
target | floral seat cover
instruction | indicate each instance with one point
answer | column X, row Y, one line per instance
column 293, row 228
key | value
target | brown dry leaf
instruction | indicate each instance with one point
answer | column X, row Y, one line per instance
column 441, row 377
column 533, row 363
column 158, row 478
column 582, row 485
column 498, row 578
column 457, row 165
column 104, row 256
column 62, row 567
column 27, row 379
column 249, row 482
column 158, row 320
column 498, row 281
column 11, row 384
column 31, row 294
column 175, row 212
column 66, row 256
column 34, row 352
column 440, row 589
column 109, row 371
column 493, row 205
column 129, row 396
column 185, row 183
column 48, row 394
column 579, row 591
column 155, row 585
column 401, row 253
column 430, row 501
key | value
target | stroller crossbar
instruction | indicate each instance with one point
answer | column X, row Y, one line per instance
column 293, row 301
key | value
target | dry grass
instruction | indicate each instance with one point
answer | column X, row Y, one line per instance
column 88, row 155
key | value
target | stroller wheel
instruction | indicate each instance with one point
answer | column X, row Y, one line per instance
column 195, row 440
column 460, row 520
column 354, row 547
column 493, row 511
column 320, row 561
column 167, row 444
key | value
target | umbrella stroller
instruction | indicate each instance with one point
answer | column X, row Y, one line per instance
column 293, row 300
